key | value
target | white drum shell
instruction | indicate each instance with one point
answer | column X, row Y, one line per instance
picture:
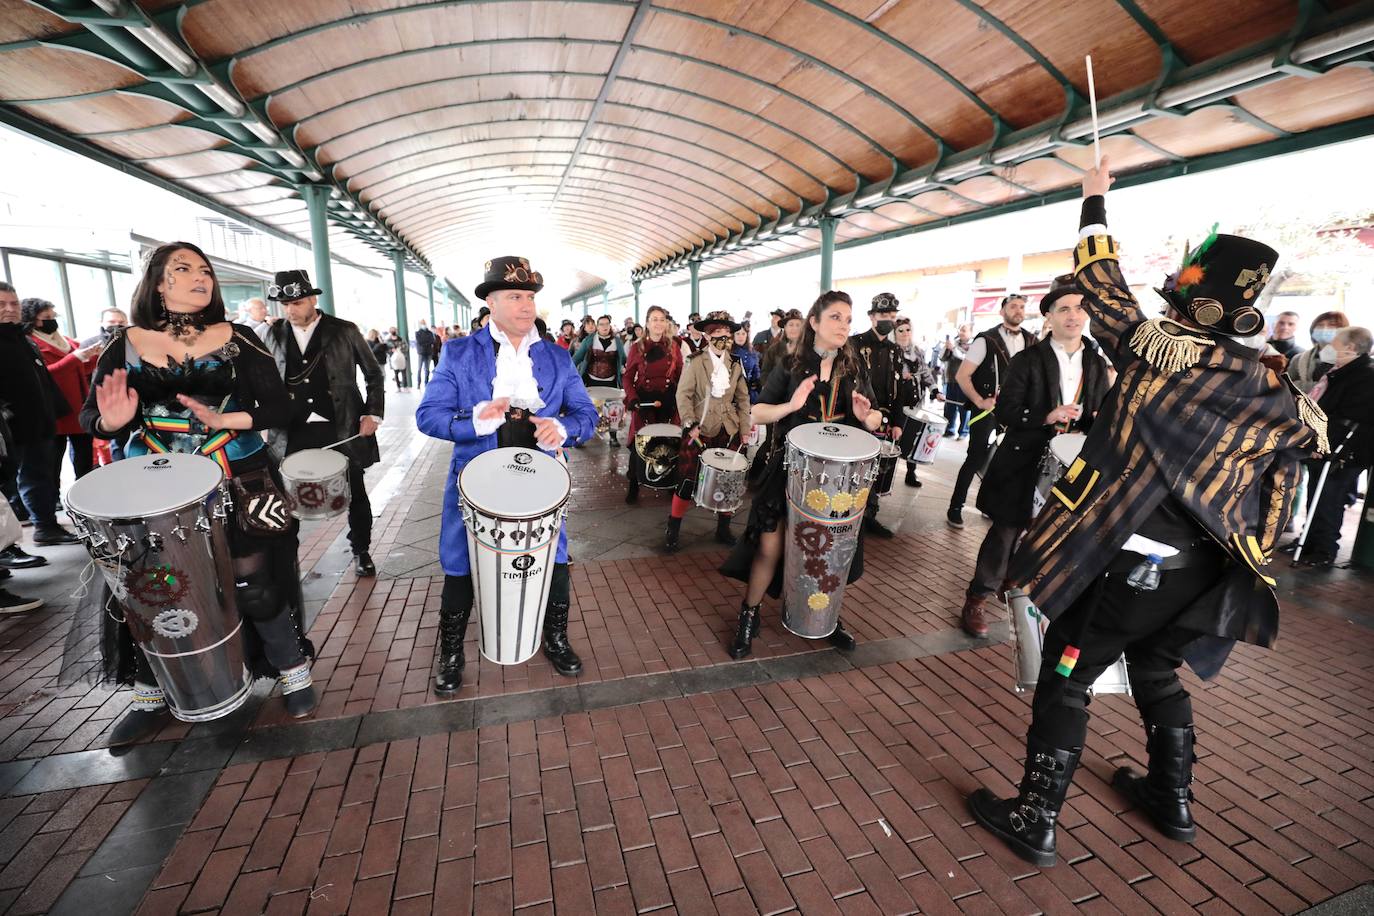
column 1028, row 628
column 931, row 426
column 315, row 483
column 172, row 574
column 511, row 555
column 1060, row 454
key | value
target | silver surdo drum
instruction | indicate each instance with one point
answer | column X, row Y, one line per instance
column 513, row 500
column 922, row 434
column 1060, row 455
column 315, row 483
column 156, row 527
column 721, row 480
column 657, row 445
column 830, row 474
column 610, row 408
column 1028, row 628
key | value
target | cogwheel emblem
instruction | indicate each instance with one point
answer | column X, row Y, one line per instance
column 861, row 498
column 841, row 502
column 818, row 601
column 175, row 623
column 817, row 501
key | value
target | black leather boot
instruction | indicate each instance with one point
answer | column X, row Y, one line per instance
column 556, row 647
column 841, row 638
column 1026, row 823
column 632, row 492
column 147, row 715
column 672, row 534
column 1163, row 793
column 745, row 631
column 723, row 535
column 448, row 651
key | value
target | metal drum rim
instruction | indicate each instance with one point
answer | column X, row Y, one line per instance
column 465, row 500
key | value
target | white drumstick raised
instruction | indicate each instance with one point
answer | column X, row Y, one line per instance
column 1092, row 105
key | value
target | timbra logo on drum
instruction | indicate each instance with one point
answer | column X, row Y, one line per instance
column 159, row 463
column 523, row 457
column 830, row 429
column 522, row 463
column 522, row 566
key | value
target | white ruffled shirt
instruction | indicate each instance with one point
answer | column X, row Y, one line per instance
column 720, row 373
column 515, row 380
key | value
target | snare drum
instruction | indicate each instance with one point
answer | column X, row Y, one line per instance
column 1060, row 455
column 513, row 500
column 923, row 433
column 830, row 474
column 155, row 525
column 721, row 480
column 1028, row 627
column 610, row 406
column 315, row 483
column 657, row 446
column 888, row 453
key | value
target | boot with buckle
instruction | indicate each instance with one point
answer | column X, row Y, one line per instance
column 672, row 535
column 745, row 630
column 448, row 652
column 1163, row 793
column 556, row 646
column 1026, row 823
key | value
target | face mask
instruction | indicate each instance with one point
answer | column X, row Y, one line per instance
column 1327, row 354
column 721, row 344
column 47, row 326
column 883, row 328
column 111, row 330
column 1324, row 336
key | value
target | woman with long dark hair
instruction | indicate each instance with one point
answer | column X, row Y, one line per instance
column 184, row 379
column 822, row 382
column 652, row 370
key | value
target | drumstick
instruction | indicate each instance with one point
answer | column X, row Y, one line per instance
column 342, row 441
column 1092, row 105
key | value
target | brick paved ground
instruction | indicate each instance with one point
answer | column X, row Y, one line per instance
column 814, row 791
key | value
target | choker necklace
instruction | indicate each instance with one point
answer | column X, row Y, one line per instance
column 825, row 354
column 185, row 326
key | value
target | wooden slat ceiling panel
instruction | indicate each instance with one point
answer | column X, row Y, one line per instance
column 905, row 213
column 517, row 93
column 320, row 52
column 1125, row 151
column 710, row 170
column 20, row 21
column 225, row 27
column 588, row 166
column 861, row 224
column 452, row 141
column 943, row 203
column 988, row 190
column 458, row 65
column 1209, row 130
column 399, row 125
column 403, row 185
column 1302, row 103
column 101, row 113
column 1228, row 25
column 254, row 196
column 206, row 163
column 42, row 73
column 233, row 182
column 469, row 154
column 1043, row 175
column 166, row 141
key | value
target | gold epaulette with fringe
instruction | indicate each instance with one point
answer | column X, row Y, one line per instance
column 1167, row 346
column 1092, row 249
column 1312, row 415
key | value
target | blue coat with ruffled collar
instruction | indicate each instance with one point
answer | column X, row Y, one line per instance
column 467, row 367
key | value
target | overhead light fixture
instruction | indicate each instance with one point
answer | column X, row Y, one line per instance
column 164, row 47
column 265, row 132
column 292, row 157
column 224, row 99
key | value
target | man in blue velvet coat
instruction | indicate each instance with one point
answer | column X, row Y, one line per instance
column 503, row 386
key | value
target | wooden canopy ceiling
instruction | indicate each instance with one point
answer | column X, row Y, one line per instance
column 653, row 133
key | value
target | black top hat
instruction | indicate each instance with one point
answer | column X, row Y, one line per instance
column 884, row 302
column 1219, row 283
column 779, row 312
column 714, row 319
column 290, row 285
column 1061, row 286
column 509, row 272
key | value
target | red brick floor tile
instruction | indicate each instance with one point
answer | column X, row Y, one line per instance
column 333, row 888
column 647, row 880
column 532, row 879
column 216, row 877
column 163, row 901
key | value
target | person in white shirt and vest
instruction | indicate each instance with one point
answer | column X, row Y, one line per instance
column 1053, row 387
column 316, row 355
column 980, row 378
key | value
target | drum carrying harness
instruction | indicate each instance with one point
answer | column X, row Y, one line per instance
column 212, row 448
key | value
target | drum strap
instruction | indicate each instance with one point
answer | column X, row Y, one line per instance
column 1077, row 399
column 212, row 448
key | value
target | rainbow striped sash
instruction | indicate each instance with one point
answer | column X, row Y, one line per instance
column 212, row 448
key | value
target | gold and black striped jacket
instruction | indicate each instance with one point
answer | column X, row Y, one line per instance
column 1194, row 415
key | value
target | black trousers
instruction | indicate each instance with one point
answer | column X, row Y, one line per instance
column 1111, row 618
column 993, row 558
column 1324, row 539
column 359, row 511
column 83, row 458
column 979, row 441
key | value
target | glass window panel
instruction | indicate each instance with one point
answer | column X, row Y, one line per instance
column 90, row 297
column 37, row 278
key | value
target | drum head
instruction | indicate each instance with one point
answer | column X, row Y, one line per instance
column 314, row 464
column 659, row 430
column 145, row 486
column 834, row 441
column 602, row 393
column 722, row 459
column 514, row 483
column 1066, row 446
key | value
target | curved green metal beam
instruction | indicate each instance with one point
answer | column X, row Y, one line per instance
column 612, row 125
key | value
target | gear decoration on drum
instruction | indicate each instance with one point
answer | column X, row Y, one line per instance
column 175, row 623
column 818, row 601
column 158, row 586
column 311, row 495
column 812, row 538
column 338, row 503
column 817, row 500
column 815, row 567
column 841, row 502
column 861, row 498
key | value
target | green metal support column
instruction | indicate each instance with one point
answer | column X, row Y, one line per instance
column 827, row 252
column 636, row 285
column 430, row 280
column 317, row 203
column 398, row 268
column 695, row 267
column 1362, row 555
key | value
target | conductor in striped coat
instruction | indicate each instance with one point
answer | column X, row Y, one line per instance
column 1156, row 541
